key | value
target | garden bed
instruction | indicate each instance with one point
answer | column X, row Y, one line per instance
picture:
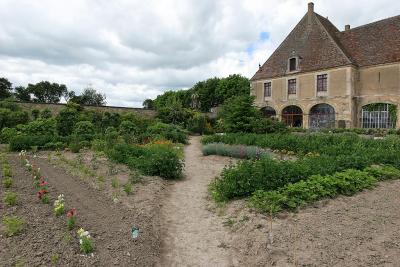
column 109, row 221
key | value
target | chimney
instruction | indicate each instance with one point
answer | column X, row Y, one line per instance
column 347, row 27
column 310, row 13
column 310, row 7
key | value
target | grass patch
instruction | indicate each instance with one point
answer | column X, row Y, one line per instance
column 7, row 182
column 127, row 188
column 10, row 198
column 13, row 224
column 114, row 182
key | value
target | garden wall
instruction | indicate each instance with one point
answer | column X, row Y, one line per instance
column 55, row 108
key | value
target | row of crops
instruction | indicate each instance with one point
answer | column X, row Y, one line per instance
column 318, row 155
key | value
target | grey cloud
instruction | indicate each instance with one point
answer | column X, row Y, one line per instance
column 132, row 50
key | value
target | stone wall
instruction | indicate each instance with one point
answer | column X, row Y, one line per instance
column 349, row 89
column 55, row 108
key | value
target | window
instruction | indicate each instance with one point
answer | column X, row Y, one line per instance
column 322, row 83
column 267, row 89
column 292, row 86
column 293, row 64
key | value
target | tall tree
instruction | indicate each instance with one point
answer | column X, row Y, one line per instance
column 232, row 86
column 5, row 88
column 22, row 94
column 90, row 97
column 46, row 92
column 148, row 104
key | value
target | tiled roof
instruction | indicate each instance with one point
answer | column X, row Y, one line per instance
column 320, row 45
column 374, row 43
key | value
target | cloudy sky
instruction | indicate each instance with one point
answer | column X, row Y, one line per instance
column 136, row 49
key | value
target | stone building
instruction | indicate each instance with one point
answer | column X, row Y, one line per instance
column 321, row 77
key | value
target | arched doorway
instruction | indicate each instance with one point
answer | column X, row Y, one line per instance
column 322, row 116
column 268, row 112
column 292, row 116
column 379, row 115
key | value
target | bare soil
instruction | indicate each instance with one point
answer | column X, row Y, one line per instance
column 362, row 230
column 108, row 222
column 193, row 234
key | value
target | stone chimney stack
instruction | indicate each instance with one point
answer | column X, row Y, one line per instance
column 347, row 27
column 310, row 8
column 310, row 13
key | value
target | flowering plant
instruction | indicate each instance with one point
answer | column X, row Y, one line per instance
column 36, row 172
column 44, row 190
column 22, row 154
column 42, row 195
column 71, row 215
column 59, row 205
column 28, row 165
column 85, row 241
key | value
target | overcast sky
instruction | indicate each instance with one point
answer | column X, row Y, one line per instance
column 136, row 49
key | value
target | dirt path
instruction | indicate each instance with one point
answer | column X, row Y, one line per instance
column 194, row 235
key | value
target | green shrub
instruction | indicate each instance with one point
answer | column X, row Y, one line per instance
column 153, row 159
column 17, row 117
column 197, row 124
column 46, row 114
column 383, row 172
column 25, row 142
column 130, row 132
column 54, row 146
column 7, row 134
column 114, row 182
column 159, row 160
column 247, row 176
column 10, row 198
column 314, row 188
column 84, row 128
column 10, row 105
column 111, row 136
column 127, row 188
column 40, row 127
column 167, row 131
column 238, row 151
column 75, row 146
column 35, row 114
column 99, row 145
column 13, row 224
column 7, row 182
column 66, row 120
column 7, row 170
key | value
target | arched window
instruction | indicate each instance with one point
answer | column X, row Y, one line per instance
column 268, row 112
column 292, row 116
column 379, row 115
column 322, row 116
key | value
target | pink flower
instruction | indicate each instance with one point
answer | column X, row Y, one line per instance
column 71, row 213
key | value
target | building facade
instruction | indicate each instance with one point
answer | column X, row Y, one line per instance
column 320, row 77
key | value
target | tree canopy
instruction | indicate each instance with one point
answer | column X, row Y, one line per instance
column 89, row 97
column 206, row 94
column 5, row 88
column 46, row 92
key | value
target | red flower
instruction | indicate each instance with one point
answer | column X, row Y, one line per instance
column 44, row 183
column 41, row 193
column 71, row 213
